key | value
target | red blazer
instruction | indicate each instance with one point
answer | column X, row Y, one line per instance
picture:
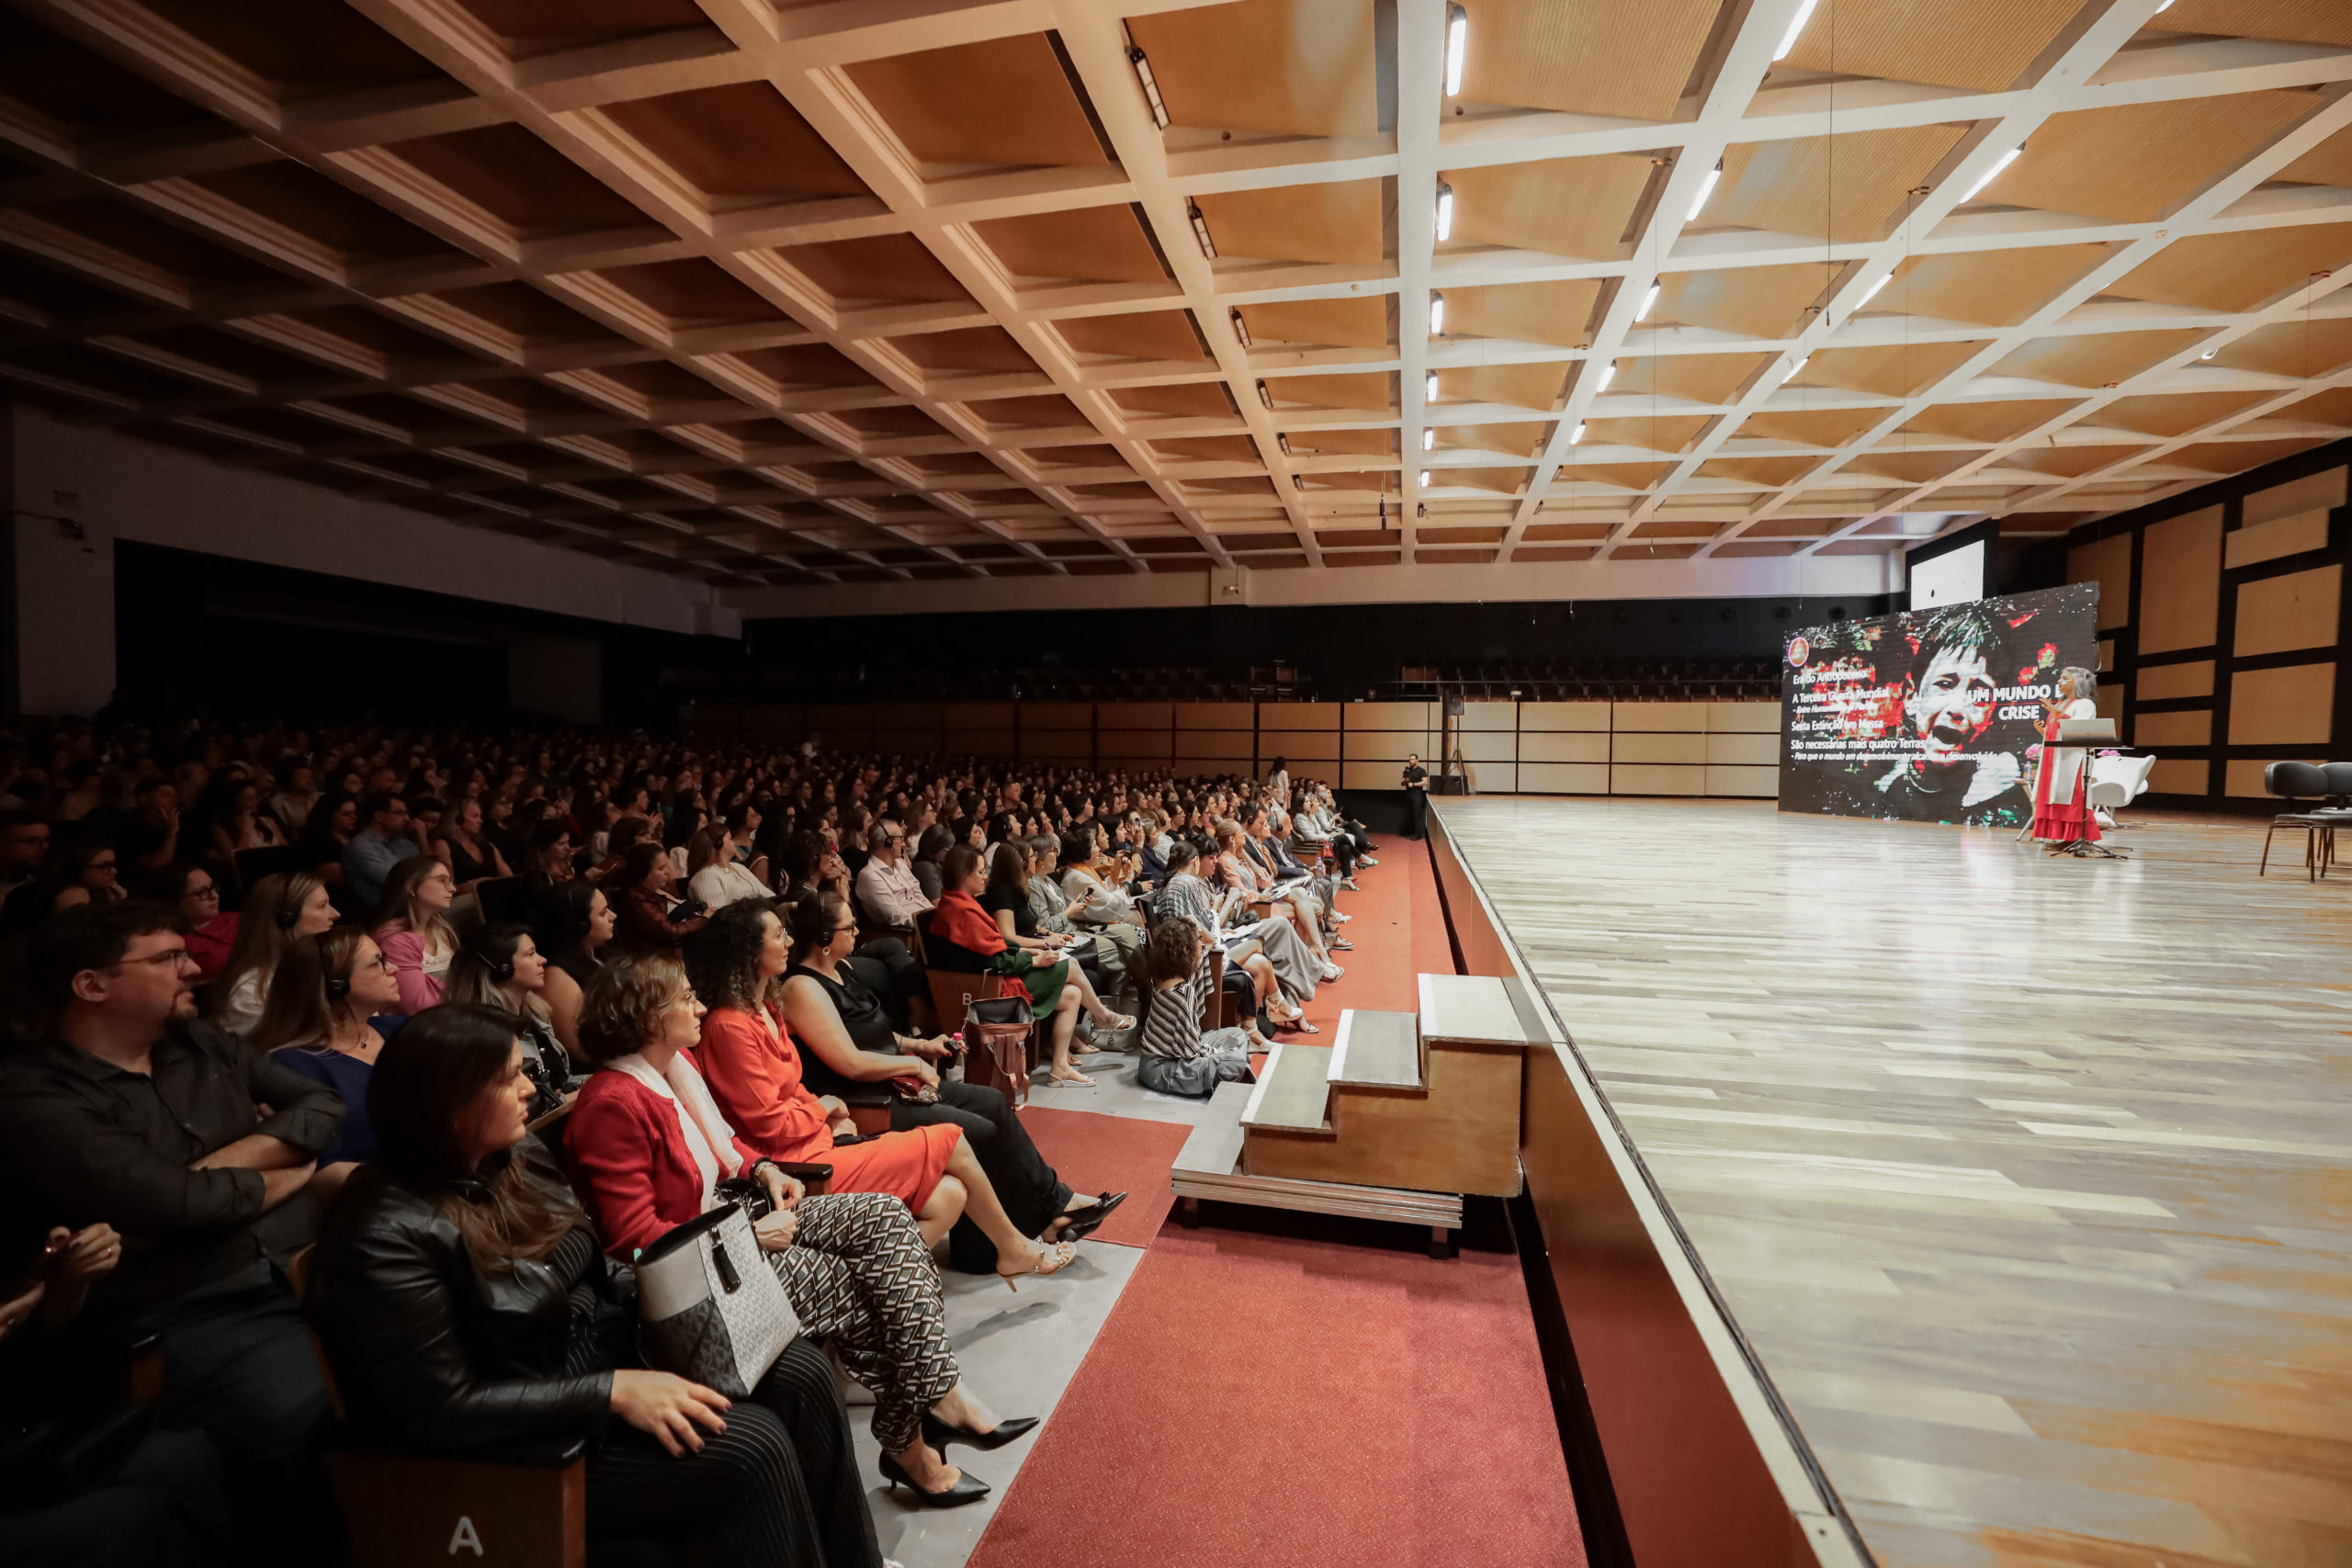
column 628, row 1163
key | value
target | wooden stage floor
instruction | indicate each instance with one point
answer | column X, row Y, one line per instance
column 2029, row 1180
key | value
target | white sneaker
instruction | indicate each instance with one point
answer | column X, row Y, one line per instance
column 1333, row 972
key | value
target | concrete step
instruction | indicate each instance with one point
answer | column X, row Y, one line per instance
column 1294, row 1093
column 1377, row 1050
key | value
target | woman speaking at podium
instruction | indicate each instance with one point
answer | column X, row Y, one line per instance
column 2062, row 818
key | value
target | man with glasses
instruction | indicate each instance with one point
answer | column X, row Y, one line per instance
column 126, row 1109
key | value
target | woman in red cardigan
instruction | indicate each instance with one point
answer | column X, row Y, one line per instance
column 753, row 1069
column 646, row 1146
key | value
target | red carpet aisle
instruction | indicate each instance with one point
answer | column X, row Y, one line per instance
column 1112, row 1154
column 1266, row 1400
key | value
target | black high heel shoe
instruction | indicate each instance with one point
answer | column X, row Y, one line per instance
column 939, row 1433
column 1087, row 1220
column 969, row 1488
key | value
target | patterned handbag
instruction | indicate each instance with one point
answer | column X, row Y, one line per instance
column 710, row 1307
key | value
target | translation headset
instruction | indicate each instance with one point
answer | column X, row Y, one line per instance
column 338, row 987
column 289, row 911
column 500, row 969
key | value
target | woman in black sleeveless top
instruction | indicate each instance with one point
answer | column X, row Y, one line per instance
column 842, row 1034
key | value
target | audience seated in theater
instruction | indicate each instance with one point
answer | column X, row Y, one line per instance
column 439, row 1336
column 284, row 908
column 24, row 849
column 754, row 1070
column 413, row 928
column 149, row 833
column 1178, row 1056
column 333, row 824
column 298, row 793
column 715, row 875
column 95, row 867
column 193, row 898
column 646, row 1145
column 1005, row 896
column 850, row 1050
column 235, row 820
column 964, row 939
column 331, row 1003
column 1238, row 869
column 1095, row 885
column 651, row 916
column 574, row 923
column 118, row 1106
column 1287, row 973
column 499, row 966
column 462, row 847
column 887, row 887
column 930, row 849
column 385, row 839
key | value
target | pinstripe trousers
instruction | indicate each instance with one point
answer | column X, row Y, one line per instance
column 777, row 1489
column 862, row 1279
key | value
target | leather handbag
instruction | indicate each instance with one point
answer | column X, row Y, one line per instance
column 996, row 1043
column 710, row 1307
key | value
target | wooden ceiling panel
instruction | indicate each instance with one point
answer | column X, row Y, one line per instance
column 1357, row 321
column 1853, row 186
column 1893, row 462
column 1586, row 56
column 1754, row 301
column 2329, row 163
column 1767, row 471
column 2004, row 421
column 691, row 292
column 519, row 180
column 2237, row 272
column 298, row 48
column 1683, row 529
column 1895, row 370
column 882, row 267
column 314, row 207
column 2297, row 21
column 1985, row 45
column 1045, row 409
column 1992, row 289
column 737, row 144
column 521, row 314
column 1374, row 391
column 1192, row 399
column 1795, row 528
column 1616, row 476
column 1552, row 532
column 2067, row 462
column 2171, row 415
column 2292, row 349
column 1338, row 222
column 1673, row 432
column 1535, row 386
column 1518, row 440
column 1208, row 449
column 529, row 28
column 1140, row 334
column 1569, row 207
column 805, row 364
column 1000, row 102
column 1290, row 67
column 1362, row 443
column 2237, row 456
column 84, row 92
column 1745, row 547
column 2092, row 361
column 1809, row 427
column 2135, row 162
column 1697, row 378
column 2332, row 407
column 1558, row 313
column 1095, row 244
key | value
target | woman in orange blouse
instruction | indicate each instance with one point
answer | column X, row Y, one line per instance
column 754, row 1071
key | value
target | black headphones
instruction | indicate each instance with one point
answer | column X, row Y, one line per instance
column 338, row 988
column 500, row 969
column 289, row 911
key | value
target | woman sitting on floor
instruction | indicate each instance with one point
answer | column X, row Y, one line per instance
column 464, row 1301
column 754, row 1072
column 1179, row 1055
column 842, row 1033
column 646, row 1146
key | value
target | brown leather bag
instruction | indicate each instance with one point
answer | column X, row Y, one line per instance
column 996, row 1043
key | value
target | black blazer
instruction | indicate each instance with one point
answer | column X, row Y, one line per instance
column 428, row 1350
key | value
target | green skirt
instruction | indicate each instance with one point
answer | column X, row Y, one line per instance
column 1044, row 984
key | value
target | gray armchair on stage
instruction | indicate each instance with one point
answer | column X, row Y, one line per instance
column 2330, row 785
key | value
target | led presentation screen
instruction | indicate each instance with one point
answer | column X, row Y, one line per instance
column 1926, row 715
column 1952, row 578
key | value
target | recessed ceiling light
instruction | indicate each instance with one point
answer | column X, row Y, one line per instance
column 1648, row 300
column 1200, row 230
column 1150, row 86
column 2211, row 352
column 1796, row 26
column 1608, row 374
column 1871, row 292
column 1241, row 327
column 1437, row 315
column 1425, row 479
column 1445, row 210
column 1428, row 387
column 1457, row 45
column 1429, row 437
column 1993, row 173
column 1576, row 434
column 1706, row 189
column 1797, row 370
column 1266, row 396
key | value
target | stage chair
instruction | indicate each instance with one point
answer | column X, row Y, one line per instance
column 2117, row 782
column 2299, row 781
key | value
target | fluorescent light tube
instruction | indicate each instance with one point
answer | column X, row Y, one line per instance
column 1706, row 189
column 1150, row 86
column 1428, row 387
column 1871, row 292
column 1425, row 479
column 1993, row 173
column 1437, row 315
column 1608, row 374
column 1429, row 437
column 1648, row 300
column 1457, row 44
column 1445, row 210
column 1796, row 26
column 1241, row 327
column 1266, row 396
column 1797, row 370
column 1200, row 230
column 1576, row 434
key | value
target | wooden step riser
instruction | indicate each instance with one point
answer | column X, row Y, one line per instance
column 1461, row 1135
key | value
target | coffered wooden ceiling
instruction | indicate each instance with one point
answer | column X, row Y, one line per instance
column 769, row 292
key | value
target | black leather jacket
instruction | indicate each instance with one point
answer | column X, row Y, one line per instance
column 429, row 1350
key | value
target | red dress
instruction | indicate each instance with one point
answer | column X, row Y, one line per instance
column 2062, row 821
column 754, row 1075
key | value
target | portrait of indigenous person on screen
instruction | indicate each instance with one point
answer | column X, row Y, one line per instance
column 1927, row 716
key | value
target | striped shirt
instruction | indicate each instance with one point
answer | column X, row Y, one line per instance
column 1172, row 1027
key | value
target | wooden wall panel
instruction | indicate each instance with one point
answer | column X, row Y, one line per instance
column 1562, row 716
column 1385, row 745
column 1201, row 743
column 2297, row 609
column 1641, row 747
column 1488, row 717
column 2106, row 656
column 1241, row 767
column 1057, row 715
column 1216, row 715
column 1479, row 747
column 1494, row 778
column 979, row 742
column 2109, row 701
column 1391, row 716
column 1298, row 715
column 771, row 719
column 907, row 715
column 1133, row 745
column 1563, row 746
column 979, row 715
column 2188, row 726
column 2163, row 682
column 2277, row 539
column 1375, row 774
column 2292, row 706
column 2181, row 776
column 1563, row 778
column 1750, row 750
column 1744, row 718
column 2313, row 492
column 1658, row 715
column 1651, row 778
column 910, row 742
column 2180, row 583
column 1761, row 783
column 1133, row 716
column 2107, row 562
column 2242, row 776
column 1299, row 746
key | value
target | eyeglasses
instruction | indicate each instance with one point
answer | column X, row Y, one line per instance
column 207, row 891
column 379, row 962
column 100, row 866
column 172, row 957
